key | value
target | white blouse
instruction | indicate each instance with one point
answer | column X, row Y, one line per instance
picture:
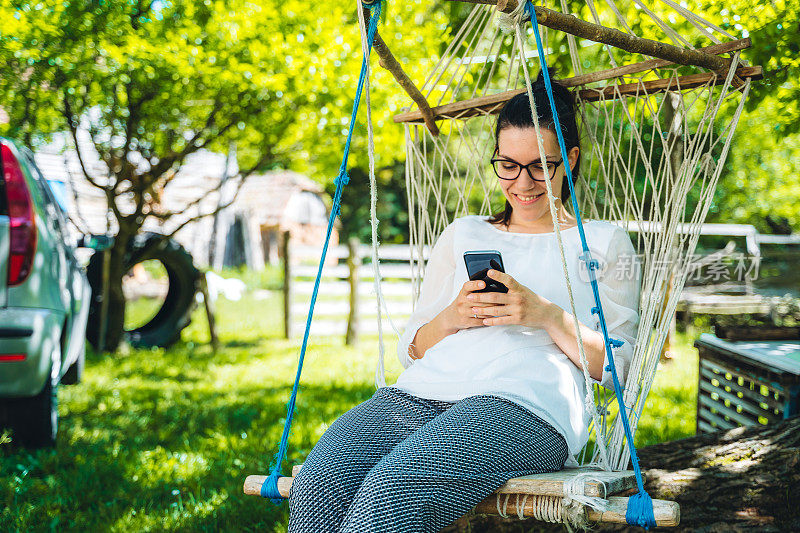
column 522, row 363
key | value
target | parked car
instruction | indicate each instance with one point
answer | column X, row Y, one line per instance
column 44, row 301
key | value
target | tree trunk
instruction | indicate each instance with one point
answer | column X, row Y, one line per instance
column 743, row 479
column 115, row 317
column 115, row 320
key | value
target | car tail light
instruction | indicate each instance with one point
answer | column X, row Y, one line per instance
column 12, row 357
column 22, row 225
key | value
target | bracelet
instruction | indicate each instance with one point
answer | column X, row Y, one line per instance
column 411, row 352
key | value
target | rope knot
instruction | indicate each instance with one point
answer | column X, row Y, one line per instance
column 342, row 179
column 270, row 488
column 615, row 343
column 640, row 511
column 508, row 22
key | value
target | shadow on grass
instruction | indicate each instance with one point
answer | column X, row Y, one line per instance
column 167, row 455
column 238, row 343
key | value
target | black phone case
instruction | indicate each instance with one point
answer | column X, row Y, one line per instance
column 474, row 275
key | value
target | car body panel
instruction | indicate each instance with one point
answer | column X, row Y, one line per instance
column 41, row 346
column 79, row 317
column 53, row 302
column 45, row 287
column 4, row 250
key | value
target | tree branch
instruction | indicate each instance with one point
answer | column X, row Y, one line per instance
column 166, row 162
column 242, row 176
column 70, row 117
column 108, row 188
column 624, row 41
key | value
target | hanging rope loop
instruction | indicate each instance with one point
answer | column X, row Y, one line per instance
column 270, row 487
column 508, row 22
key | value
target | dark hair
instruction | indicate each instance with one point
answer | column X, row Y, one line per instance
column 516, row 113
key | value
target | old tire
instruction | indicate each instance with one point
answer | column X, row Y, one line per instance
column 183, row 276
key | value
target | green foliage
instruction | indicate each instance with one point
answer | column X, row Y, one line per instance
column 279, row 79
column 276, row 77
column 391, row 206
column 759, row 179
column 774, row 28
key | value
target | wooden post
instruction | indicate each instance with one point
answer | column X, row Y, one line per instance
column 353, row 261
column 673, row 127
column 670, row 340
column 287, row 281
column 101, row 336
column 209, row 307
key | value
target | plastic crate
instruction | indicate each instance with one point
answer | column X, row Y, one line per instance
column 746, row 383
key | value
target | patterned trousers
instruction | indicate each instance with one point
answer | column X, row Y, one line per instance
column 399, row 463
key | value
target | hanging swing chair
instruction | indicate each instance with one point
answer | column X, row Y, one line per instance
column 655, row 149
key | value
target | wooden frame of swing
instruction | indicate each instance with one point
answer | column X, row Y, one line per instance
column 491, row 104
column 551, row 486
column 663, row 54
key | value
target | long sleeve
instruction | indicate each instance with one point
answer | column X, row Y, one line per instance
column 619, row 286
column 435, row 293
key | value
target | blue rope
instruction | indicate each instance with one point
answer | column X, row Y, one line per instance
column 640, row 505
column 270, row 487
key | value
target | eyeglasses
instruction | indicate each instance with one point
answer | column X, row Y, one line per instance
column 507, row 169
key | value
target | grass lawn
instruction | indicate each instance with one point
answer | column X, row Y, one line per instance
column 156, row 440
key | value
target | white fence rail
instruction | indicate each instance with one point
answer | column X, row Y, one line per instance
column 346, row 302
column 340, row 310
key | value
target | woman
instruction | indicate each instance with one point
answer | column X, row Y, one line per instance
column 493, row 387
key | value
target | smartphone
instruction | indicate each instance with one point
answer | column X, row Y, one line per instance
column 478, row 264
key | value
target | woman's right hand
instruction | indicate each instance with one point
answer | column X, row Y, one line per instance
column 456, row 316
column 459, row 313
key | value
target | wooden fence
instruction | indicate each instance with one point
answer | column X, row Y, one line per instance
column 346, row 303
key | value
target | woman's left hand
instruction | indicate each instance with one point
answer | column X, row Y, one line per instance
column 519, row 306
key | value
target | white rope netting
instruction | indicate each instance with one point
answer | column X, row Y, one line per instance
column 650, row 163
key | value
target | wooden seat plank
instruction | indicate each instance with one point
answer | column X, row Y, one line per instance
column 552, row 483
column 667, row 513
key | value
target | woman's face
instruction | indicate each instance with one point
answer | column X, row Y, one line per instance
column 525, row 195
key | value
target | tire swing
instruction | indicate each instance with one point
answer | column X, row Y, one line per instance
column 183, row 277
column 657, row 149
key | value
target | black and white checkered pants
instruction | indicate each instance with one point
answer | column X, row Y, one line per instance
column 399, row 463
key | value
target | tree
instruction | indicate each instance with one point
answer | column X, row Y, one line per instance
column 765, row 153
column 152, row 82
column 391, row 207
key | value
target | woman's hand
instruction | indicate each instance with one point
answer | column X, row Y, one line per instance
column 519, row 306
column 460, row 313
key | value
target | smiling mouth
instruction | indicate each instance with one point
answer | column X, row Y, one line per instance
column 527, row 199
